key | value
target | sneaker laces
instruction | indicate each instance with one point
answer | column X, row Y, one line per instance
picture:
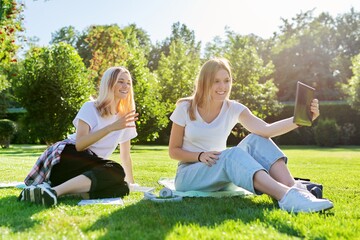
column 305, row 193
column 300, row 185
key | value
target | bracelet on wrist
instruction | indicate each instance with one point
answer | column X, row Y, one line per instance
column 200, row 156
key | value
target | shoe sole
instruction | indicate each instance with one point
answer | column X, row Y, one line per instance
column 38, row 196
column 45, row 197
column 314, row 210
column 48, row 198
column 28, row 194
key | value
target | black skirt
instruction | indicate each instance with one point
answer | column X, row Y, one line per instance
column 107, row 177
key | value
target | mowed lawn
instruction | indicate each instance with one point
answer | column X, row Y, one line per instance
column 254, row 217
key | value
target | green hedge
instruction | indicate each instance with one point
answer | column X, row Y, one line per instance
column 327, row 133
column 7, row 131
column 346, row 118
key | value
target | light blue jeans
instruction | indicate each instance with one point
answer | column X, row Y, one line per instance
column 235, row 166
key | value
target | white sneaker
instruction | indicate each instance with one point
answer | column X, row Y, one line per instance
column 298, row 184
column 300, row 200
column 27, row 194
column 41, row 194
column 44, row 184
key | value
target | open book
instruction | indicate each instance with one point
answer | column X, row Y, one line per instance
column 104, row 201
column 304, row 96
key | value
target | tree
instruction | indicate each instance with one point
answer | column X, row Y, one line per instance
column 143, row 39
column 178, row 68
column 176, row 73
column 214, row 48
column 348, row 27
column 68, row 35
column 7, row 130
column 76, row 39
column 10, row 26
column 347, row 44
column 179, row 32
column 248, row 72
column 113, row 46
column 304, row 52
column 353, row 87
column 108, row 48
column 52, row 85
column 152, row 111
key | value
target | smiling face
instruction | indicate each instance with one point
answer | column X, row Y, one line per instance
column 221, row 86
column 122, row 86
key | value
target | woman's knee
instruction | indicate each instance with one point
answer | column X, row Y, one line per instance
column 235, row 157
column 253, row 139
column 107, row 180
column 235, row 151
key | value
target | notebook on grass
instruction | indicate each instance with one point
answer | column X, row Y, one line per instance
column 304, row 96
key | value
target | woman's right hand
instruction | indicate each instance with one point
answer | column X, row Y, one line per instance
column 209, row 158
column 126, row 121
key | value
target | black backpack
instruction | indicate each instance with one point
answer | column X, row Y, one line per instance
column 315, row 188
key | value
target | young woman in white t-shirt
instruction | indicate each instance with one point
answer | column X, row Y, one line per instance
column 79, row 164
column 201, row 126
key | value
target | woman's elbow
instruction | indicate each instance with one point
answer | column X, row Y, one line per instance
column 263, row 134
column 78, row 147
column 172, row 153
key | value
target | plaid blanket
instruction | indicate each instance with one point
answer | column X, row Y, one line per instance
column 42, row 168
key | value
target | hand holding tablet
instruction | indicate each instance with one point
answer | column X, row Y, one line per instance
column 304, row 97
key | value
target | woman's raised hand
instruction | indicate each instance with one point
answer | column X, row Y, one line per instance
column 126, row 121
column 314, row 108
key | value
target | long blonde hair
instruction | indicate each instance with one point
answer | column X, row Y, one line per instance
column 106, row 93
column 201, row 96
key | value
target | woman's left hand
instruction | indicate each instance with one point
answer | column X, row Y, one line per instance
column 314, row 108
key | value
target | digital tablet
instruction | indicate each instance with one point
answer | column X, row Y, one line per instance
column 304, row 96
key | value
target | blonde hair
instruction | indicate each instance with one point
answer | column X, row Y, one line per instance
column 201, row 96
column 106, row 93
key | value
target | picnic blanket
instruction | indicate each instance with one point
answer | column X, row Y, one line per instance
column 20, row 185
column 229, row 192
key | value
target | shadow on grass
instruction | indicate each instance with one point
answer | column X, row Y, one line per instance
column 150, row 220
column 17, row 215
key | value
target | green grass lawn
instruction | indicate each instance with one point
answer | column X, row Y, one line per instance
column 255, row 217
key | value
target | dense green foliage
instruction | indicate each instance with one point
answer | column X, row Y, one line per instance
column 52, row 85
column 252, row 84
column 327, row 133
column 304, row 51
column 10, row 27
column 177, row 70
column 10, row 24
column 354, row 84
column 147, row 96
column 7, row 131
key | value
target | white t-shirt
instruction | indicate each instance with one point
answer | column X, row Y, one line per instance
column 105, row 146
column 202, row 136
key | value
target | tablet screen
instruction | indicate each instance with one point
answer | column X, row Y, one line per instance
column 304, row 96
